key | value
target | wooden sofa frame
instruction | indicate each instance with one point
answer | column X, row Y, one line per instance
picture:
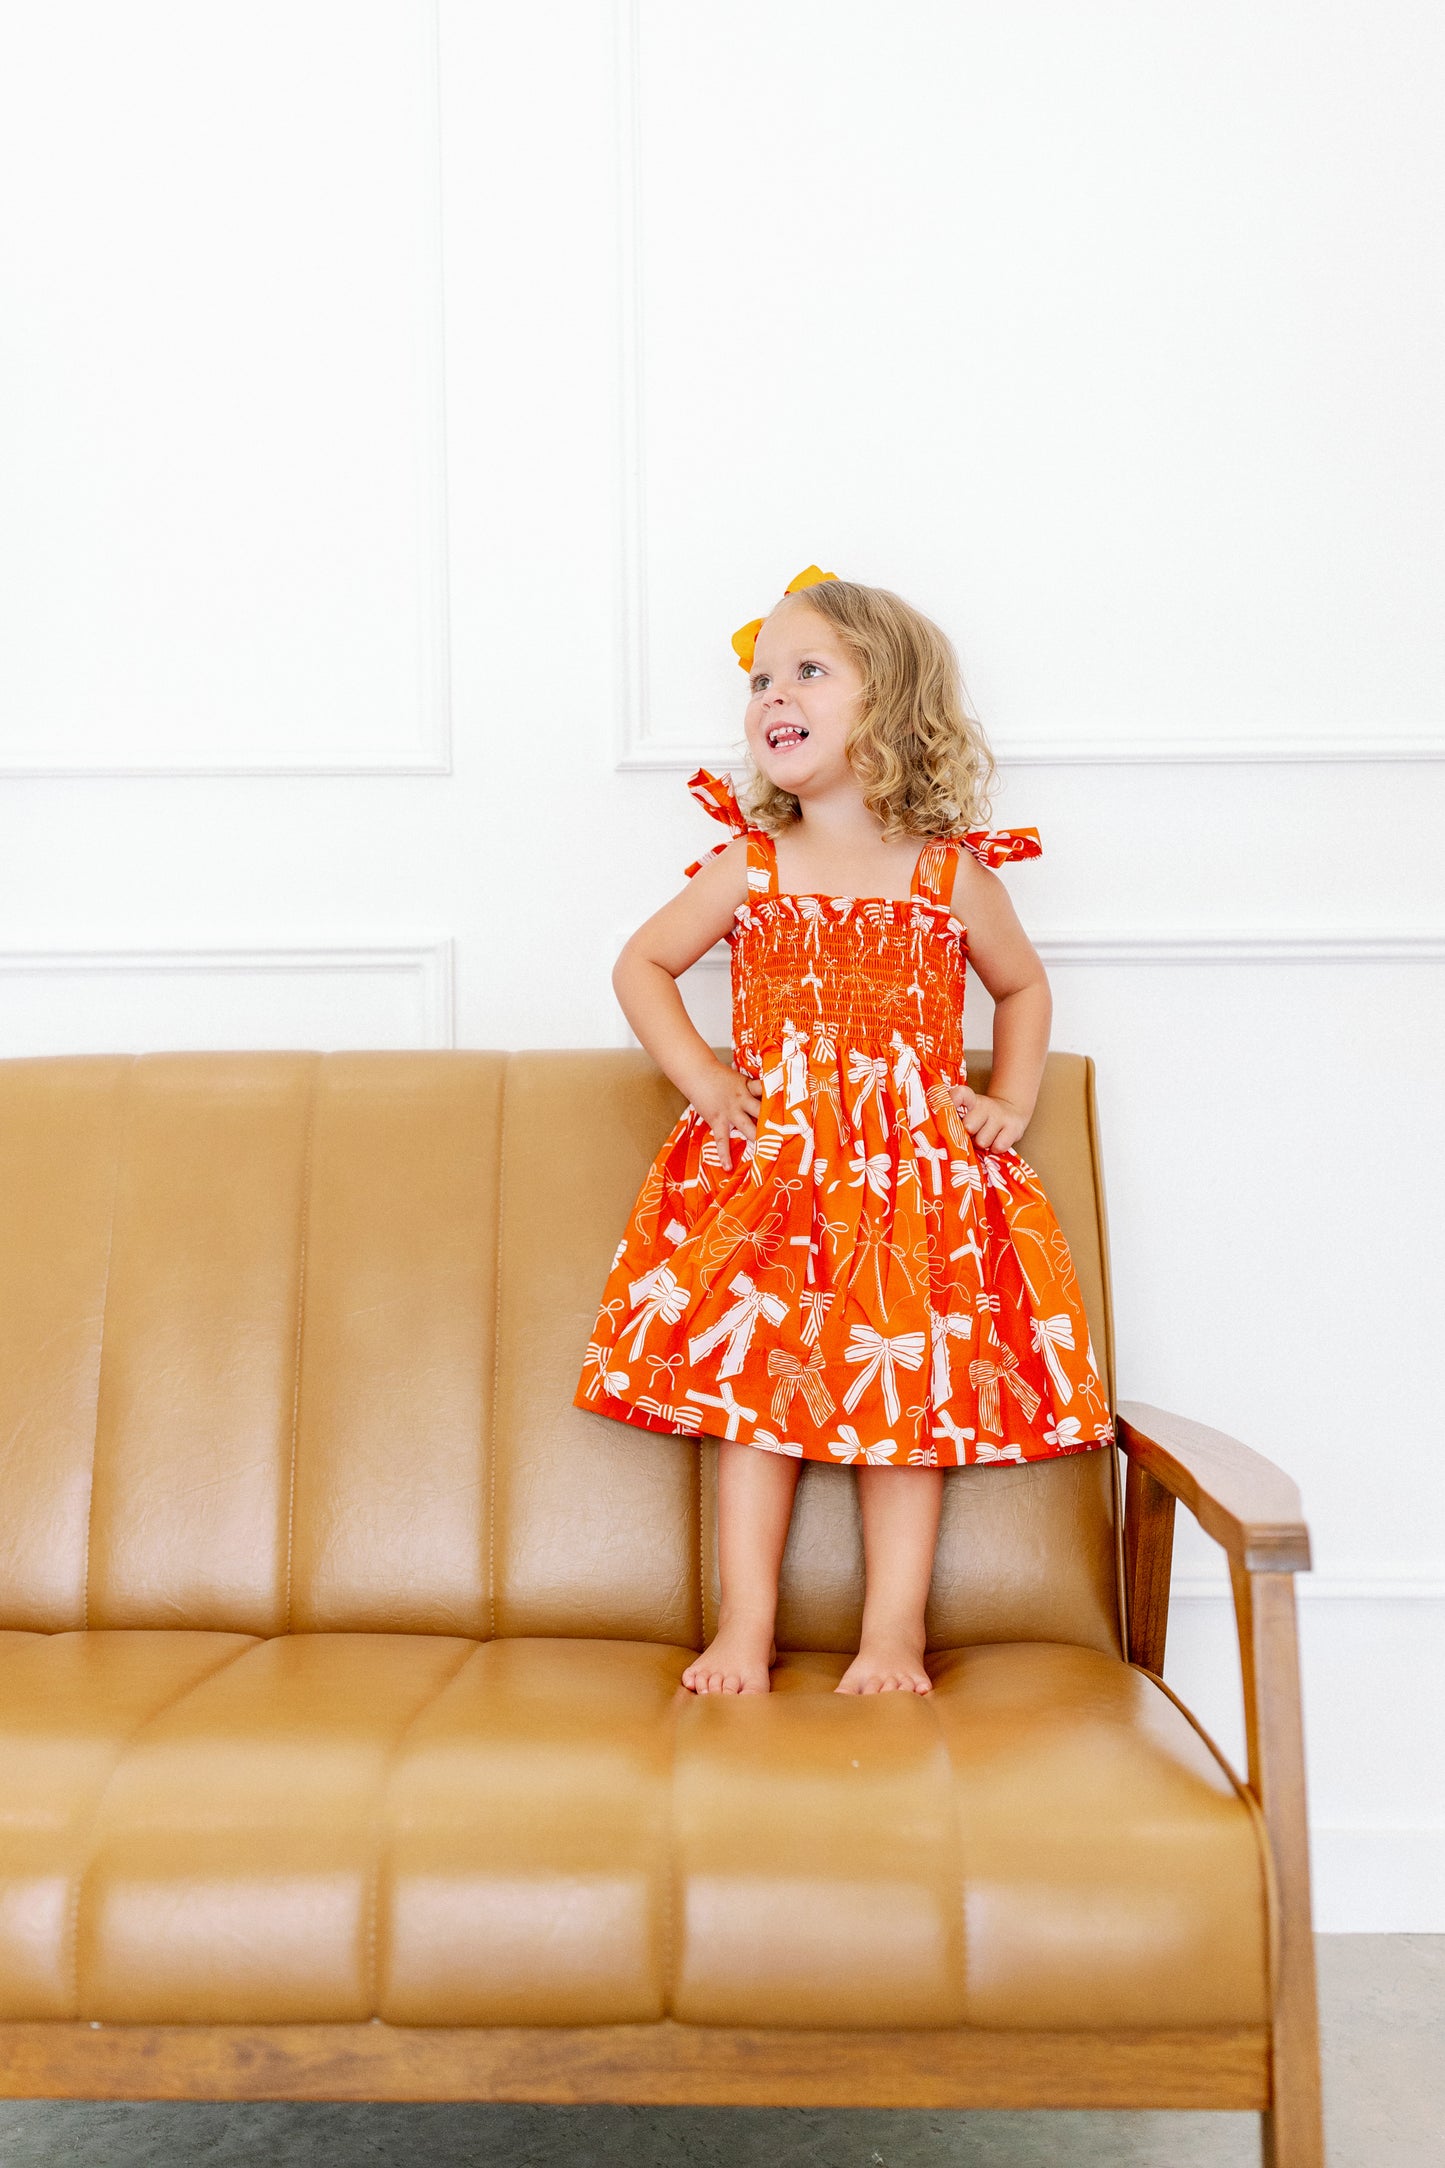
column 1247, row 1505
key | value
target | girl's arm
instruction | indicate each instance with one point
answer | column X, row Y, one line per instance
column 1010, row 967
column 645, row 980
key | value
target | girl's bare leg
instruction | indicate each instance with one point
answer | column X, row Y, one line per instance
column 900, row 1508
column 754, row 1506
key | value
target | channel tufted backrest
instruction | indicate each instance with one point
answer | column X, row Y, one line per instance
column 288, row 1342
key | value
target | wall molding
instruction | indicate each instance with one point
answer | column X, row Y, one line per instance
column 633, row 691
column 1378, row 1582
column 422, row 764
column 1245, row 945
column 639, row 749
column 430, row 961
column 431, row 750
column 1378, row 1877
column 641, row 753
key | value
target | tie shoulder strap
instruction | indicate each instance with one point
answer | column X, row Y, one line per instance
column 716, row 796
column 933, row 874
column 1000, row 846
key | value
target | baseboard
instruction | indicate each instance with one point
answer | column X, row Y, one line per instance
column 1378, row 1880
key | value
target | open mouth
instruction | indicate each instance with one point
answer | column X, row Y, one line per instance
column 783, row 735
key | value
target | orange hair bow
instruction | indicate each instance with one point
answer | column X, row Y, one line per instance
column 745, row 638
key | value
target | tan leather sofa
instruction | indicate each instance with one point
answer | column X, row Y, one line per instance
column 342, row 1750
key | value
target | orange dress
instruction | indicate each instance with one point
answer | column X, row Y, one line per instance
column 862, row 1285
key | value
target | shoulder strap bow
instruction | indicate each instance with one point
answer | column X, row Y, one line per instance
column 1000, row 846
column 715, row 794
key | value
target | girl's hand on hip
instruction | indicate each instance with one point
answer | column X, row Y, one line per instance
column 993, row 1124
column 728, row 1102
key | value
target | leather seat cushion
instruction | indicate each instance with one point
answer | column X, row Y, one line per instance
column 211, row 1828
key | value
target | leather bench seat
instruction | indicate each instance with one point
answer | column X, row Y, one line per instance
column 434, row 1830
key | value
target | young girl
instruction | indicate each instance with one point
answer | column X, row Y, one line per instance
column 873, row 1277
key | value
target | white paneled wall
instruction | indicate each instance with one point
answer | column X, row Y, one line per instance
column 400, row 404
column 224, row 540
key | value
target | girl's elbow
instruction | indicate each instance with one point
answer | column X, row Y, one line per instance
column 623, row 968
column 634, row 963
column 1034, row 989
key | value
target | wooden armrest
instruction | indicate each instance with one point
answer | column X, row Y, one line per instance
column 1253, row 1509
column 1237, row 1496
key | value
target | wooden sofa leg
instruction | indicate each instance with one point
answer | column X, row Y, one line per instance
column 1292, row 2131
column 1292, row 2127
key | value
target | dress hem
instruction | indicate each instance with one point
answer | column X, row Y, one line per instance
column 622, row 1411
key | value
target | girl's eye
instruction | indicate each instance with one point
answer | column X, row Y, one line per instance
column 758, row 683
column 810, row 666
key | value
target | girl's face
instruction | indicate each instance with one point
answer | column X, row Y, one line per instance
column 803, row 696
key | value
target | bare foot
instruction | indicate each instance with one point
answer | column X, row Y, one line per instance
column 887, row 1664
column 736, row 1661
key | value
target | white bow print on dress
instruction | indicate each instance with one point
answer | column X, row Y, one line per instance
column 661, row 1295
column 814, row 1303
column 908, row 1079
column 794, row 1375
column 795, row 1065
column 737, row 1325
column 732, row 1408
column 849, row 1447
column 1049, row 1334
column 603, row 1379
column 955, row 1326
column 937, row 1157
column 869, row 1070
column 873, row 1171
column 960, row 1437
column 880, row 1352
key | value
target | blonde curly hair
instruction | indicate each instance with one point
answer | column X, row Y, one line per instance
column 921, row 756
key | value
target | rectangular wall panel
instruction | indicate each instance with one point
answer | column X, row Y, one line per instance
column 82, row 1001
column 220, row 388
column 1074, row 328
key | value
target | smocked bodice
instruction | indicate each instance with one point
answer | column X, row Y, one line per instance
column 846, row 971
column 838, row 972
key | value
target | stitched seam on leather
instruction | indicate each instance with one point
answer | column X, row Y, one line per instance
column 300, row 1316
column 1261, row 1831
column 698, row 1486
column 191, row 1686
column 371, row 1983
column 491, row 1441
column 122, row 1131
column 956, row 1818
column 681, row 1698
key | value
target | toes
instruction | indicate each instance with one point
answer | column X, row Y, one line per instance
column 884, row 1682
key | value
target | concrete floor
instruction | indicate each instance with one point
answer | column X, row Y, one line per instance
column 1383, row 2012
